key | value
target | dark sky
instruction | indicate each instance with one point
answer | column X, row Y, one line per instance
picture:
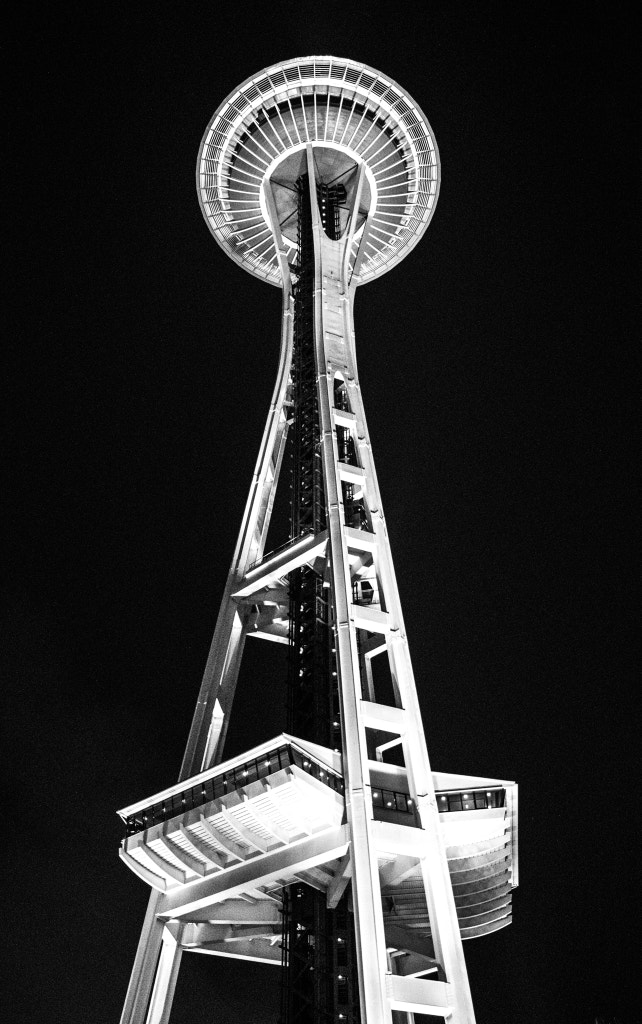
column 495, row 364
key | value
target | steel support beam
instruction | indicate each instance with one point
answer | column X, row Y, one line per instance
column 259, row 871
column 160, row 1005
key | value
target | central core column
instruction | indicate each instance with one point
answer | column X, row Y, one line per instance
column 320, row 962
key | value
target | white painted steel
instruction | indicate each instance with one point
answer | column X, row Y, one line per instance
column 274, row 866
column 166, row 974
column 209, row 725
column 247, row 226
column 334, row 296
column 318, row 752
column 145, row 964
column 207, row 734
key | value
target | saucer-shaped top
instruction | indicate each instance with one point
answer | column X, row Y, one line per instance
column 351, row 114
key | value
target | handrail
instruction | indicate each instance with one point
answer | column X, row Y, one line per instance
column 227, row 782
column 277, row 551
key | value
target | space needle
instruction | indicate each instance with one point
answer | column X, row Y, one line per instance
column 332, row 851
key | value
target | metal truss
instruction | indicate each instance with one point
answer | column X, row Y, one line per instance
column 326, row 850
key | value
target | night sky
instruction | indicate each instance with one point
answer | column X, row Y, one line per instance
column 495, row 364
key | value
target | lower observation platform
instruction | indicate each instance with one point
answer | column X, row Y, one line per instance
column 222, row 846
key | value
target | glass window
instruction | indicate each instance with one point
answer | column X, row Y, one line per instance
column 249, row 773
column 401, row 802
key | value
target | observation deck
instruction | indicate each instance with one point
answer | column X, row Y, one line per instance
column 253, row 151
column 222, row 846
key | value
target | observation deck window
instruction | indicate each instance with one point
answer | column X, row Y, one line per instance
column 390, row 800
column 471, row 800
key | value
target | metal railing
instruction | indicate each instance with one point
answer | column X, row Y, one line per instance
column 227, row 782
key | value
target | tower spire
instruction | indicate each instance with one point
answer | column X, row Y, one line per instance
column 333, row 849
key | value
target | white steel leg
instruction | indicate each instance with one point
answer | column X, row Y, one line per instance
column 166, row 975
column 143, row 971
column 211, row 717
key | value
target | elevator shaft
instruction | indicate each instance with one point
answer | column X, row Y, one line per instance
column 319, row 977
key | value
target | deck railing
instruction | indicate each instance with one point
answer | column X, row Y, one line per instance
column 226, row 782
